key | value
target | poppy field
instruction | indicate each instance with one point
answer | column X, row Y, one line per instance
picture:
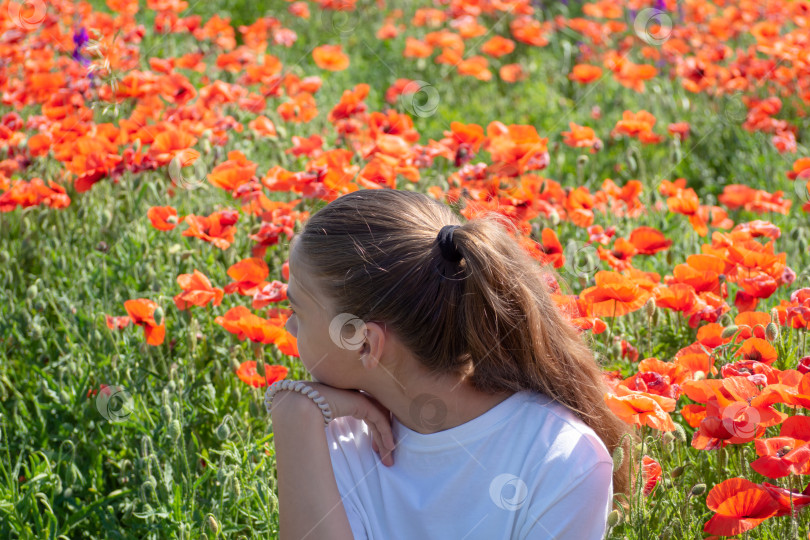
column 157, row 156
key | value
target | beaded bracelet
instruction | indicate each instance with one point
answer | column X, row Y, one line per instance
column 298, row 386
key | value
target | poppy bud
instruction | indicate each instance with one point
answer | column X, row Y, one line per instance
column 697, row 489
column 174, row 430
column 772, row 332
column 699, row 375
column 223, row 431
column 656, row 317
column 158, row 315
column 677, row 471
column 668, row 438
column 725, row 320
column 618, row 457
column 774, row 316
column 649, row 307
column 166, row 413
column 680, row 433
column 582, row 160
column 272, row 502
column 32, row 291
column 729, row 331
column 212, row 523
column 554, row 218
column 237, row 487
column 175, row 166
column 260, row 367
column 614, row 518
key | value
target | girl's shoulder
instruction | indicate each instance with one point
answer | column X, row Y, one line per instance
column 559, row 435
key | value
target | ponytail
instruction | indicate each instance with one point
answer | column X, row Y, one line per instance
column 379, row 252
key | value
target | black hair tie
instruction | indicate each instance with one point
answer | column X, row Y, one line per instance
column 448, row 248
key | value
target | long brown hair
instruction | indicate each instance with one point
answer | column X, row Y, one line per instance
column 376, row 252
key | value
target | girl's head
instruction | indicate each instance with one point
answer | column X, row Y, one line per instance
column 372, row 258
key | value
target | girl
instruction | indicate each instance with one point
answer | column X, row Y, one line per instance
column 438, row 346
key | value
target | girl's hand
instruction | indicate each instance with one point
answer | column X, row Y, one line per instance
column 363, row 407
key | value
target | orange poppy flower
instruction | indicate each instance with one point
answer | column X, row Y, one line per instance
column 476, row 66
column 800, row 169
column 512, row 73
column 244, row 324
column 234, row 172
column 710, row 335
column 584, row 73
column 676, row 296
column 33, row 193
column 415, row 48
column 197, row 291
column 218, row 228
column 142, row 313
column 651, row 474
column 169, row 143
column 788, row 501
column 498, row 46
column 263, row 126
column 552, row 249
column 641, row 408
column 649, row 241
column 679, row 129
column 272, row 373
column 163, row 218
column 758, row 350
column 248, row 276
column 739, row 506
column 515, row 149
column 613, row 295
column 782, row 456
column 301, row 109
column 581, row 137
column 117, row 323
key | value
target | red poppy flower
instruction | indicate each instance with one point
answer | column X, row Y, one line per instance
column 613, row 295
column 272, row 373
column 142, row 313
column 163, row 218
column 240, row 321
column 197, row 291
column 739, row 505
column 641, row 408
column 651, row 472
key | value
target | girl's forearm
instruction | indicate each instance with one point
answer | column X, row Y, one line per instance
column 310, row 506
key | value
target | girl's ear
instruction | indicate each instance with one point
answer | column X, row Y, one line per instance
column 371, row 351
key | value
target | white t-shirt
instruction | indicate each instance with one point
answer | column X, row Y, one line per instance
column 526, row 469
